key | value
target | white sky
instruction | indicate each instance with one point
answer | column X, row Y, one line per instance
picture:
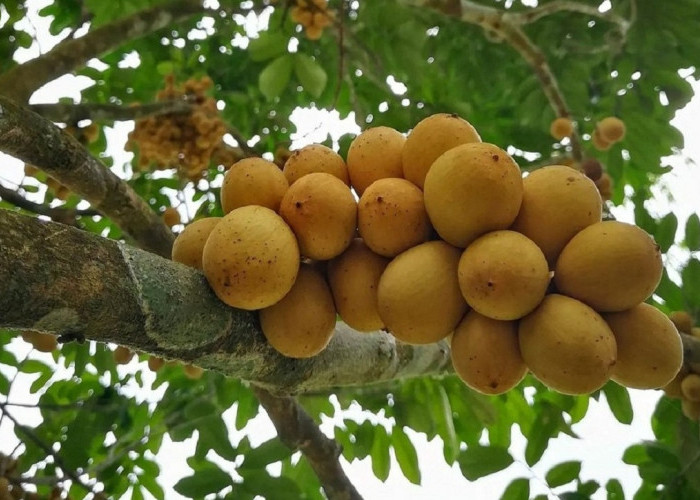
column 602, row 441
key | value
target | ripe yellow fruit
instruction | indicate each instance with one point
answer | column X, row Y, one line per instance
column 611, row 129
column 470, row 190
column 193, row 372
column 155, row 363
column 354, row 278
column 171, row 217
column 486, row 354
column 604, row 185
column 301, row 324
column 561, row 127
column 375, row 154
column 253, row 181
column 599, row 142
column 558, row 202
column 391, row 217
column 322, row 212
column 682, row 320
column 430, row 138
column 503, row 275
column 690, row 387
column 649, row 349
column 611, row 266
column 673, row 388
column 315, row 158
column 122, row 355
column 691, row 409
column 251, row 258
column 418, row 295
column 42, row 342
column 189, row 244
column 567, row 345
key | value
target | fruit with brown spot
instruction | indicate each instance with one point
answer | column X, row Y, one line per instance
column 253, row 181
column 375, row 154
column 312, row 159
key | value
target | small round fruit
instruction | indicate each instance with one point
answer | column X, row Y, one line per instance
column 193, row 372
column 470, row 190
column 695, row 331
column 486, row 354
column 251, row 258
column 690, row 387
column 171, row 217
column 315, row 158
column 691, row 409
column 122, row 355
column 322, row 212
column 155, row 363
column 189, row 244
column 611, row 266
column 649, row 349
column 567, row 345
column 592, row 168
column 354, row 278
column 503, row 275
column 682, row 320
column 375, row 154
column 430, row 138
column 302, row 323
column 418, row 295
column 599, row 142
column 558, row 202
column 42, row 342
column 673, row 388
column 253, row 181
column 611, row 129
column 391, row 217
column 561, row 127
column 604, row 185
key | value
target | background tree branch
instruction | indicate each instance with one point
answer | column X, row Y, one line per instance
column 59, row 214
column 74, row 112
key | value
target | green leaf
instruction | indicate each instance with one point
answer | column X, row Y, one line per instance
column 311, row 74
column 215, row 436
column 563, row 473
column 406, row 455
column 205, row 480
column 4, row 385
column 619, row 401
column 479, row 461
column 263, row 484
column 275, row 77
column 267, row 46
column 614, row 489
column 635, row 454
column 518, row 489
column 692, row 233
column 381, row 461
column 269, row 452
column 691, row 279
column 666, row 231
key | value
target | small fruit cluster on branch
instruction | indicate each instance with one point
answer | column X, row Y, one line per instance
column 452, row 240
column 184, row 140
column 123, row 356
column 313, row 15
column 11, row 483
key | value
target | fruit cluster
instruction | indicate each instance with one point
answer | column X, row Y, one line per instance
column 452, row 240
column 184, row 140
column 313, row 15
column 686, row 385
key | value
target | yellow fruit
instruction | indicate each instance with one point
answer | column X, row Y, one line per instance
column 322, row 212
column 302, row 323
column 558, row 202
column 430, row 138
column 695, row 331
column 561, row 127
column 503, row 275
column 673, row 388
column 354, row 278
column 418, row 295
column 391, row 217
column 171, row 217
column 375, row 154
column 682, row 320
column 251, row 258
column 471, row 190
column 604, row 185
column 315, row 158
column 649, row 349
column 599, row 142
column 611, row 129
column 611, row 266
column 690, row 387
column 155, row 363
column 189, row 244
column 567, row 345
column 691, row 409
column 486, row 355
column 193, row 372
column 253, row 181
column 122, row 355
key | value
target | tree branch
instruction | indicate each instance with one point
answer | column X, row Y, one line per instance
column 535, row 14
column 73, row 113
column 59, row 214
column 298, row 431
column 37, row 141
column 20, row 82
column 57, row 279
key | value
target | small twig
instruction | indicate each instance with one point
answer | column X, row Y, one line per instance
column 73, row 113
column 298, row 431
column 535, row 14
column 341, row 53
column 242, row 142
column 59, row 214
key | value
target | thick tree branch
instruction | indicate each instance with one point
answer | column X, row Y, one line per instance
column 60, row 280
column 21, row 81
column 298, row 431
column 73, row 113
column 37, row 141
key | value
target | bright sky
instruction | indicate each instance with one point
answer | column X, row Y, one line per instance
column 602, row 441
